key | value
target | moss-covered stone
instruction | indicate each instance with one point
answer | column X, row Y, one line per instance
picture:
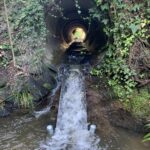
column 3, row 112
column 3, row 82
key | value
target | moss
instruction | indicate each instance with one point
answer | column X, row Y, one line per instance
column 139, row 103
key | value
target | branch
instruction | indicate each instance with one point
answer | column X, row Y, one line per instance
column 142, row 82
column 9, row 33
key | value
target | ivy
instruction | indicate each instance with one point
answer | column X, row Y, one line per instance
column 123, row 25
column 28, row 31
column 28, row 27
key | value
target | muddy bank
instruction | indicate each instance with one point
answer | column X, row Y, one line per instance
column 105, row 111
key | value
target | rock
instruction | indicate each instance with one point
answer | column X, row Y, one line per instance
column 38, row 85
column 36, row 89
column 6, row 102
column 42, row 84
column 4, row 112
column 3, row 77
column 3, row 82
column 3, row 93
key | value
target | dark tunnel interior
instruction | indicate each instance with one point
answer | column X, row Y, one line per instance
column 64, row 18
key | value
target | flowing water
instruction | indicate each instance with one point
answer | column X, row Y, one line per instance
column 25, row 132
column 71, row 131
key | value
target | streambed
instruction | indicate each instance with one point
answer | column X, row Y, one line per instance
column 26, row 133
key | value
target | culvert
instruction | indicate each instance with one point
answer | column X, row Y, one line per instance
column 64, row 18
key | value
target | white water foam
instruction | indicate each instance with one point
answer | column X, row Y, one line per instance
column 71, row 131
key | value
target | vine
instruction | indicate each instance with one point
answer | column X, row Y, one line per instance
column 28, row 30
column 28, row 40
column 126, row 23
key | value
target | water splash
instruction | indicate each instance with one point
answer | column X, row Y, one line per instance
column 71, row 131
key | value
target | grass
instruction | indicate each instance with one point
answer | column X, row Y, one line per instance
column 139, row 103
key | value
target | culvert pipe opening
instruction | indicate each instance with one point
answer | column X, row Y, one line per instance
column 67, row 24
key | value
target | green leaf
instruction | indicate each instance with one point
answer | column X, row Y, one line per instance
column 105, row 21
column 4, row 46
column 105, row 6
column 147, row 126
column 47, row 86
column 134, row 28
column 145, row 140
column 147, row 135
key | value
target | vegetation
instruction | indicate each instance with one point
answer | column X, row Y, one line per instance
column 24, row 99
column 26, row 39
column 27, row 20
column 126, row 63
column 139, row 103
column 26, row 28
column 147, row 136
column 9, row 33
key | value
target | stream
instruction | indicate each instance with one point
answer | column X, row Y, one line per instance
column 71, row 129
column 24, row 132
